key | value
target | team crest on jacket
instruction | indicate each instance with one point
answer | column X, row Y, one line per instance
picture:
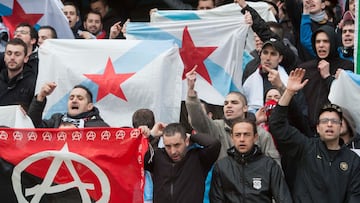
column 344, row 166
column 257, row 183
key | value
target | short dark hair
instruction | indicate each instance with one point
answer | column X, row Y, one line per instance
column 143, row 117
column 348, row 22
column 207, row 0
column 70, row 3
column 240, row 95
column 268, row 90
column 331, row 108
column 104, row 2
column 17, row 41
column 173, row 128
column 244, row 120
column 93, row 12
column 88, row 92
column 33, row 32
column 53, row 31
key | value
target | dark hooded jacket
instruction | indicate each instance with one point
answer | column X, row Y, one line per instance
column 249, row 177
column 18, row 90
column 182, row 181
column 317, row 90
column 322, row 175
column 92, row 118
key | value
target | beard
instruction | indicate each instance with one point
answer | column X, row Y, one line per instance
column 15, row 68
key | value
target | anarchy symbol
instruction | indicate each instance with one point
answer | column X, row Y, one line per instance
column 46, row 186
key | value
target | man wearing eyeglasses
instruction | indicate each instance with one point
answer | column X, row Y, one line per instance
column 327, row 171
column 28, row 34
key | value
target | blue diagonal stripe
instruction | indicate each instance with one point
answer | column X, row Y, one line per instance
column 179, row 16
column 129, row 62
column 221, row 80
column 4, row 10
column 140, row 29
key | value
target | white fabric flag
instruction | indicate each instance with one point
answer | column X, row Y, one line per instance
column 225, row 11
column 228, row 10
column 123, row 75
column 37, row 13
column 13, row 117
column 216, row 46
column 345, row 92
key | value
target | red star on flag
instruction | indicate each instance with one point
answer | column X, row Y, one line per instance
column 109, row 82
column 19, row 16
column 192, row 55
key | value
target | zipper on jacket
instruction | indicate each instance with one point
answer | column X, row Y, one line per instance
column 243, row 182
column 172, row 183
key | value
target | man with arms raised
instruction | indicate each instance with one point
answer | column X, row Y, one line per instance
column 327, row 171
column 179, row 171
column 235, row 107
column 80, row 109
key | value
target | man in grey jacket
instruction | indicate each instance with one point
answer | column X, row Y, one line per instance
column 235, row 107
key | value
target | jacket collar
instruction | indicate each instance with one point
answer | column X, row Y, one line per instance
column 243, row 158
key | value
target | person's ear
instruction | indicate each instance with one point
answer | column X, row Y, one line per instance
column 245, row 108
column 32, row 42
column 323, row 5
column 90, row 106
column 256, row 137
column 317, row 128
column 187, row 141
column 26, row 58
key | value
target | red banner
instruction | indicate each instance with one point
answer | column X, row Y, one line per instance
column 95, row 164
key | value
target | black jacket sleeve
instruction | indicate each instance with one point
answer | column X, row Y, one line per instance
column 35, row 112
column 279, row 188
column 291, row 142
column 216, row 193
column 260, row 27
column 211, row 150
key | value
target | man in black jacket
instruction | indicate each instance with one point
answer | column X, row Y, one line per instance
column 17, row 81
column 265, row 33
column 81, row 110
column 29, row 36
column 327, row 171
column 321, row 71
column 246, row 174
column 180, row 170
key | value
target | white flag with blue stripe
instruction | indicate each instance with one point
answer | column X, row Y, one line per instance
column 345, row 92
column 225, row 11
column 122, row 75
column 216, row 46
column 37, row 13
column 228, row 10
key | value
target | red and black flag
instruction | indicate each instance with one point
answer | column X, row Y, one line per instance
column 72, row 165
